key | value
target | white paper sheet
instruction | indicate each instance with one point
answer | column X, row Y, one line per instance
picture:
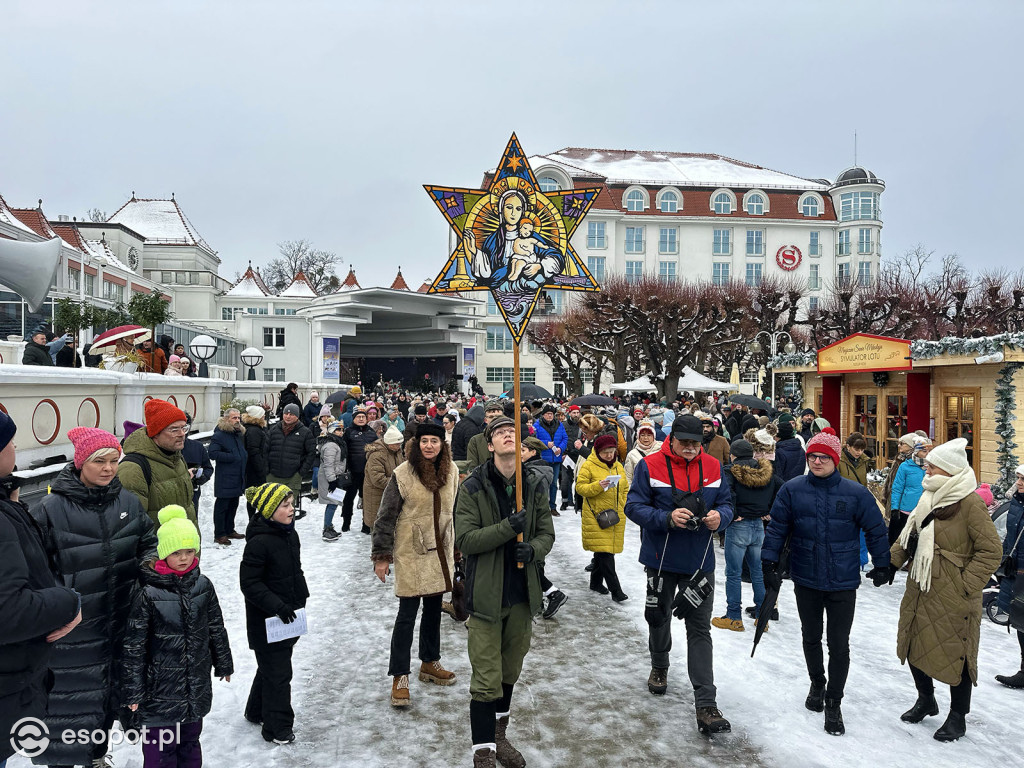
column 613, row 480
column 567, row 462
column 277, row 630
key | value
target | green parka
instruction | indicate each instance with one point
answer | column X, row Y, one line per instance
column 171, row 482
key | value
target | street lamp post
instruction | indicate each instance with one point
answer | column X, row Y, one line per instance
column 773, row 341
column 203, row 348
column 251, row 357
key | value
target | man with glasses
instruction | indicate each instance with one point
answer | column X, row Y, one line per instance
column 678, row 499
column 153, row 467
column 820, row 516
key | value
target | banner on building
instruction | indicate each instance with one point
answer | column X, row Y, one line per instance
column 468, row 361
column 332, row 359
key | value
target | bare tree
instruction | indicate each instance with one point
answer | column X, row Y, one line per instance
column 299, row 255
column 97, row 216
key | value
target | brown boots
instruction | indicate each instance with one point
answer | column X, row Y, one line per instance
column 400, row 691
column 507, row 755
column 433, row 672
column 484, row 758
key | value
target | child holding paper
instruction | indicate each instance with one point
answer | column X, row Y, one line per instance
column 175, row 635
column 273, row 584
column 602, row 484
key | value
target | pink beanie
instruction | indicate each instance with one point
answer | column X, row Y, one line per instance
column 88, row 440
column 825, row 442
column 985, row 491
column 173, row 359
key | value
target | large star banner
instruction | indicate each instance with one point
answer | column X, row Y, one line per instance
column 513, row 239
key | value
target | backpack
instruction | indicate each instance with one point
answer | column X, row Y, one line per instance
column 143, row 462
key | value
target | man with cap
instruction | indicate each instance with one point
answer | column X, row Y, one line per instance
column 357, row 438
column 679, row 499
column 477, row 452
column 824, row 513
column 714, row 444
column 419, row 416
column 36, row 352
column 439, row 413
column 36, row 611
column 807, row 417
column 290, row 449
column 153, row 467
column 503, row 590
column 572, row 452
column 552, row 434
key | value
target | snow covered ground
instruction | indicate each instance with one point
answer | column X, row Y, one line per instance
column 582, row 699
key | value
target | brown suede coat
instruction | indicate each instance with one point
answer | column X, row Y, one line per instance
column 381, row 463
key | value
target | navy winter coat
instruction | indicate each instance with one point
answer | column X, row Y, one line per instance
column 472, row 424
column 790, row 459
column 175, row 636
column 311, row 412
column 1014, row 527
column 558, row 436
column 356, row 440
column 228, row 450
column 826, row 516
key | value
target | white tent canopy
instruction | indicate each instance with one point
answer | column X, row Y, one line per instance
column 690, row 381
column 643, row 384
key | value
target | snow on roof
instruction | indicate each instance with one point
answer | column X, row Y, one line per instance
column 101, row 251
column 248, row 286
column 7, row 216
column 681, row 168
column 34, row 219
column 70, row 235
column 300, row 287
column 161, row 221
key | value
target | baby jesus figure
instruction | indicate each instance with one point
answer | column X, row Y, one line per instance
column 524, row 249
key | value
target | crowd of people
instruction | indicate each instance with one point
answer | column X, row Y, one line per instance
column 45, row 348
column 115, row 620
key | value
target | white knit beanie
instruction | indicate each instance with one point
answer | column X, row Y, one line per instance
column 950, row 457
column 393, row 436
column 255, row 412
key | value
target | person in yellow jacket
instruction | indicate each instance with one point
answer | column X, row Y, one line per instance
column 602, row 484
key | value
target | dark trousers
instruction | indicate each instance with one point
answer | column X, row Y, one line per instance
column 565, row 484
column 224, row 515
column 270, row 699
column 897, row 520
column 959, row 694
column 350, row 497
column 553, row 488
column 163, row 750
column 699, row 648
column 604, row 572
column 1020, row 639
column 401, row 637
column 545, row 582
column 814, row 606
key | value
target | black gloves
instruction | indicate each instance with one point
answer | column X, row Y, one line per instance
column 518, row 521
column 524, row 552
column 286, row 615
column 881, row 576
column 772, row 577
column 332, row 486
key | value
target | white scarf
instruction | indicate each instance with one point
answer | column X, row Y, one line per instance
column 939, row 491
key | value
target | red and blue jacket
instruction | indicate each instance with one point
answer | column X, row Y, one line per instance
column 650, row 504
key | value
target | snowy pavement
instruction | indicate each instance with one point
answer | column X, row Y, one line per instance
column 582, row 699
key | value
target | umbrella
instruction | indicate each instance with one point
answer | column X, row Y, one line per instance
column 530, row 392
column 337, row 397
column 593, row 400
column 107, row 341
column 771, row 596
column 750, row 401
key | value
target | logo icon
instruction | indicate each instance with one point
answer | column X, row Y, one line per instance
column 30, row 737
column 788, row 257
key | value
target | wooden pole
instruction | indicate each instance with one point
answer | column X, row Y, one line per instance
column 519, row 438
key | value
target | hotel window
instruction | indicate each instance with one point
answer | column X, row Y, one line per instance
column 753, row 275
column 843, row 248
column 283, row 311
column 273, row 374
column 596, row 266
column 257, row 311
column 586, row 375
column 812, row 304
column 634, row 271
column 843, row 274
column 635, row 200
column 755, row 205
column 90, row 284
column 858, row 205
column 755, row 242
column 595, row 235
column 864, row 241
column 499, row 339
column 492, row 307
column 864, row 273
column 723, row 242
column 634, row 239
column 666, row 272
column 814, row 249
column 504, row 375
column 813, row 280
column 810, row 206
column 723, row 203
column 720, row 273
column 547, row 184
column 74, row 279
column 228, row 313
column 113, row 292
column 667, row 240
column 668, row 202
column 273, row 337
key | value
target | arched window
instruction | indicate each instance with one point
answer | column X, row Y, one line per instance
column 723, row 203
column 548, row 184
column 635, row 200
column 810, row 205
column 668, row 201
column 755, row 205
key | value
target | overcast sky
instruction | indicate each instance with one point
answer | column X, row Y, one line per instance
column 287, row 120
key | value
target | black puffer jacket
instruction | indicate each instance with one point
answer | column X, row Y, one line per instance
column 256, row 465
column 31, row 606
column 97, row 537
column 287, row 397
column 36, row 354
column 753, row 484
column 572, row 430
column 473, row 424
column 175, row 635
column 356, row 439
column 270, row 576
column 291, row 453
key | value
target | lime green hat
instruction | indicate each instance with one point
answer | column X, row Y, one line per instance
column 267, row 497
column 176, row 531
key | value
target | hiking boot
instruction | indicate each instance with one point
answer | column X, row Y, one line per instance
column 724, row 622
column 286, row 738
column 300, row 513
column 590, row 567
column 710, row 720
column 330, row 534
column 507, row 755
column 554, row 513
column 925, row 706
column 1012, row 681
column 484, row 758
column 433, row 672
column 834, row 717
column 222, row 540
column 620, row 597
column 751, row 611
column 954, row 728
column 815, row 700
column 400, row 691
column 236, row 535
column 366, row 529
column 565, row 506
column 555, row 601
column 657, row 681
column 599, row 588
column 346, row 524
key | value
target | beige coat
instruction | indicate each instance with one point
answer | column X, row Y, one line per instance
column 939, row 629
column 380, row 465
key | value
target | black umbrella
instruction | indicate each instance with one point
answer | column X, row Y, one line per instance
column 771, row 596
column 593, row 400
column 337, row 397
column 530, row 392
column 750, row 401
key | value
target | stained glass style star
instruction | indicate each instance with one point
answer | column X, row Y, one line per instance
column 513, row 239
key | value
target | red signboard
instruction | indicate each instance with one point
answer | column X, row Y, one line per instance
column 788, row 257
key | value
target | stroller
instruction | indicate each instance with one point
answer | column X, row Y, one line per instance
column 990, row 594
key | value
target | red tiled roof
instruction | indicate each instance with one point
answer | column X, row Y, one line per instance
column 424, row 288
column 70, row 235
column 782, row 204
column 350, row 279
column 399, row 283
column 34, row 219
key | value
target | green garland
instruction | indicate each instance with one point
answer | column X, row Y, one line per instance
column 1006, row 403
column 985, row 345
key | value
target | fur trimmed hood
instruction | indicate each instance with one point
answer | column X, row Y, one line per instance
column 224, row 425
column 753, row 473
column 247, row 419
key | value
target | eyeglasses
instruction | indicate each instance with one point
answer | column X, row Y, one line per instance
column 178, row 430
column 818, row 458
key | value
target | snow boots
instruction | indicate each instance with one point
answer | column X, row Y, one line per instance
column 484, row 758
column 555, row 601
column 815, row 700
column 507, row 755
column 710, row 720
column 657, row 682
column 954, row 728
column 330, row 534
column 433, row 672
column 724, row 622
column 834, row 717
column 400, row 691
column 1012, row 681
column 925, row 706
